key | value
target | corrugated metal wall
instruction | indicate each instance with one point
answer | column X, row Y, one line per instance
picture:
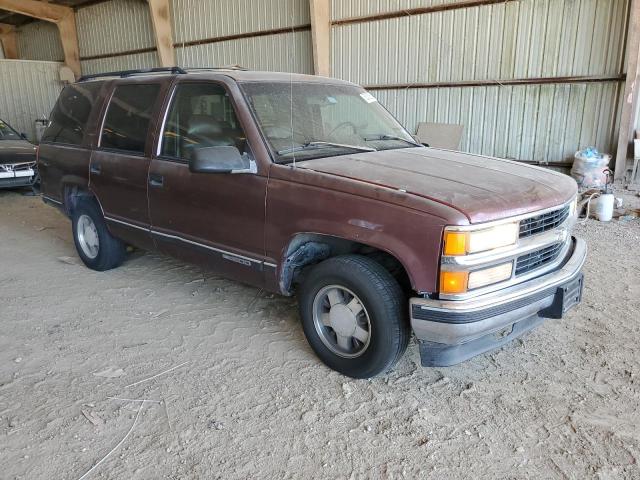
column 34, row 89
column 120, row 62
column 199, row 19
column 107, row 30
column 39, row 41
column 637, row 122
column 526, row 122
column 196, row 21
column 357, row 8
column 286, row 52
column 517, row 39
column 523, row 39
column 113, row 28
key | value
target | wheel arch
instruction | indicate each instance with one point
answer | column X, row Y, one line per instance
column 306, row 249
column 73, row 192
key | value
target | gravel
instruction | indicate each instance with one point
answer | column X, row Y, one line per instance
column 252, row 401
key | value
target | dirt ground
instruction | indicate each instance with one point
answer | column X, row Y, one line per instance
column 246, row 398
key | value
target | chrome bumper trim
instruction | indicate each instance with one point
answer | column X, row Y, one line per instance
column 510, row 304
column 561, row 234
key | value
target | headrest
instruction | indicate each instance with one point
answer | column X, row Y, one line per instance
column 204, row 125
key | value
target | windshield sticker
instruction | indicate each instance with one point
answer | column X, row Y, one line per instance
column 332, row 100
column 367, row 97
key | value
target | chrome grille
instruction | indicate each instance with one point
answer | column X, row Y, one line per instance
column 16, row 167
column 22, row 166
column 537, row 259
column 542, row 223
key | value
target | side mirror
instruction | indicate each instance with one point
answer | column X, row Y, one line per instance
column 221, row 159
column 23, row 136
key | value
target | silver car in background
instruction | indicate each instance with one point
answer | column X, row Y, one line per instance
column 17, row 159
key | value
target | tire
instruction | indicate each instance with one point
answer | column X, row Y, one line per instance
column 109, row 252
column 383, row 315
column 36, row 186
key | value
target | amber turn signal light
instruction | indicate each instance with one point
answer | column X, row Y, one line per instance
column 453, row 282
column 455, row 243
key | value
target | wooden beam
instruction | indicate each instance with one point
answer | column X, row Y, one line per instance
column 36, row 9
column 63, row 17
column 631, row 91
column 161, row 19
column 408, row 12
column 9, row 41
column 499, row 82
column 238, row 36
column 321, row 36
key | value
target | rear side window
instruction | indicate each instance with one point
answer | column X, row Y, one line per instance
column 71, row 113
column 127, row 121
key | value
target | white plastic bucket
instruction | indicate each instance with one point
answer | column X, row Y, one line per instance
column 603, row 207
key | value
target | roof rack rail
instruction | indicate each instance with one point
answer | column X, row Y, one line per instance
column 130, row 73
column 224, row 67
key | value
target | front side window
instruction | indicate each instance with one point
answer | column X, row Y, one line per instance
column 128, row 115
column 8, row 133
column 314, row 120
column 201, row 115
column 70, row 115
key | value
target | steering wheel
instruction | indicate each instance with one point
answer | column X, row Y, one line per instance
column 342, row 125
column 269, row 126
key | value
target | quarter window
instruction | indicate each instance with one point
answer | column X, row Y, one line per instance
column 128, row 116
column 71, row 113
column 201, row 115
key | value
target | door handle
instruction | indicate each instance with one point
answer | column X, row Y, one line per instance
column 156, row 180
column 95, row 168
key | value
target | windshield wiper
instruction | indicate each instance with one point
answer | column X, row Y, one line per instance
column 319, row 145
column 383, row 136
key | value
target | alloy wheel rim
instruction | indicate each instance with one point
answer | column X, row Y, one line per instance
column 88, row 236
column 341, row 321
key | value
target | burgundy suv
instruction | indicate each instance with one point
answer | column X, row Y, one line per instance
column 307, row 185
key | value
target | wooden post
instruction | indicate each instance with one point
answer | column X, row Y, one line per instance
column 631, row 91
column 69, row 38
column 321, row 36
column 63, row 17
column 9, row 41
column 161, row 19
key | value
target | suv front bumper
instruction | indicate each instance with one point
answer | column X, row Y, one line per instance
column 451, row 331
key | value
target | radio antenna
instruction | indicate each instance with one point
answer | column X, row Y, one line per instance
column 291, row 67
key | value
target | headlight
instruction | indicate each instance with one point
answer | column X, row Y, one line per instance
column 463, row 243
column 489, row 276
column 573, row 208
column 452, row 283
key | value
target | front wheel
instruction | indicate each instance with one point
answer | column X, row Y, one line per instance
column 98, row 249
column 353, row 315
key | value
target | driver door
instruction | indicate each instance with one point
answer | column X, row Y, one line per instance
column 214, row 219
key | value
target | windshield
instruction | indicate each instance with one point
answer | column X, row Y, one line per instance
column 7, row 133
column 311, row 120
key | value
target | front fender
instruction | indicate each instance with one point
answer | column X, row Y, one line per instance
column 412, row 236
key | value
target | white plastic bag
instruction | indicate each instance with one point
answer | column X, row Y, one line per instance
column 588, row 168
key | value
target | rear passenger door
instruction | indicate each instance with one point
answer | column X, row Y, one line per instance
column 120, row 163
column 65, row 147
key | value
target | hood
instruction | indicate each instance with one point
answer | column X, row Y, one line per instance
column 481, row 188
column 17, row 151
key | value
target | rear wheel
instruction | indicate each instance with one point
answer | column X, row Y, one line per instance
column 353, row 315
column 98, row 249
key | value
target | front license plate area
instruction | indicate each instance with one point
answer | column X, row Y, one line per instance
column 567, row 296
column 572, row 294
